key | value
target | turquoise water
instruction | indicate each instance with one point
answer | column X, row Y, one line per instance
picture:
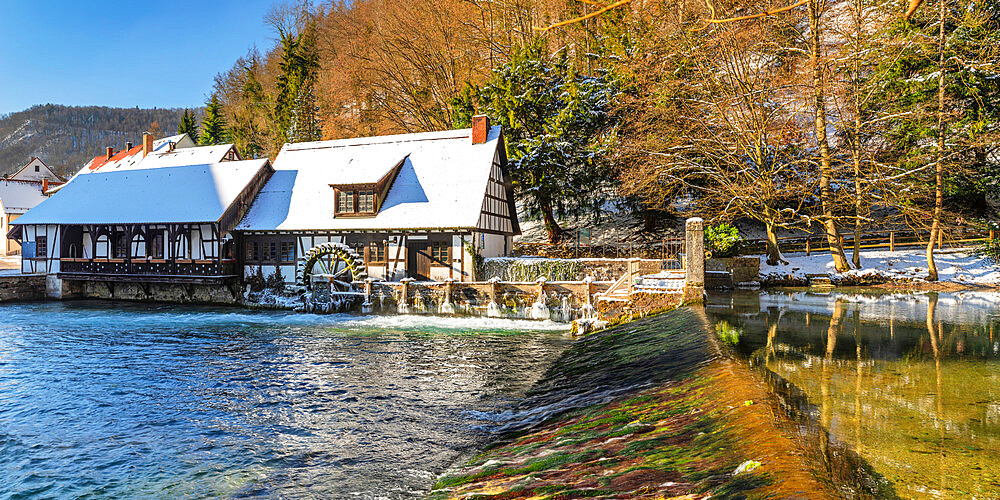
column 112, row 400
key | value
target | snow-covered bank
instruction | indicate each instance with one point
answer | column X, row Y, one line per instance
column 957, row 266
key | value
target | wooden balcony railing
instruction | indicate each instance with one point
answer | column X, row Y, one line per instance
column 147, row 269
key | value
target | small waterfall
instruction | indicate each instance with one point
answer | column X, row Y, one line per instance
column 446, row 307
column 539, row 310
column 565, row 311
column 493, row 310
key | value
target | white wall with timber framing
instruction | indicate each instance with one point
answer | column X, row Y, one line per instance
column 40, row 249
column 389, row 256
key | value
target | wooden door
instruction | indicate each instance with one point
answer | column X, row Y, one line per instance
column 418, row 260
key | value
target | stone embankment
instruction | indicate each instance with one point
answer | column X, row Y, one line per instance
column 22, row 287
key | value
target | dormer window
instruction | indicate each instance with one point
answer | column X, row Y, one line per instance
column 345, row 202
column 355, row 201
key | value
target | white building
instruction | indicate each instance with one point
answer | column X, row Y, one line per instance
column 19, row 193
column 413, row 205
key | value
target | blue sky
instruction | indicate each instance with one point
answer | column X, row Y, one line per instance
column 122, row 54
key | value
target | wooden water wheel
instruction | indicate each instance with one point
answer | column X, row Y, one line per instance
column 336, row 260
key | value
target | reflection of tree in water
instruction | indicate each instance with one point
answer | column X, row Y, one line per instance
column 936, row 338
column 912, row 398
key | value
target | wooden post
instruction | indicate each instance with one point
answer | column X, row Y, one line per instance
column 808, row 248
column 892, row 241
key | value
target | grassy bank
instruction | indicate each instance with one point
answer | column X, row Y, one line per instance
column 649, row 409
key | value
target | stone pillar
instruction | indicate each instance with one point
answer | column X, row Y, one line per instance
column 694, row 249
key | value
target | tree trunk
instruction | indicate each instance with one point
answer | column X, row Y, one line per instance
column 932, row 272
column 858, row 205
column 773, row 252
column 551, row 226
column 826, row 164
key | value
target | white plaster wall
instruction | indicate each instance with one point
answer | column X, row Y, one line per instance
column 52, row 249
column 491, row 245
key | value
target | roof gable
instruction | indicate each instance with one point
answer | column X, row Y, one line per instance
column 28, row 173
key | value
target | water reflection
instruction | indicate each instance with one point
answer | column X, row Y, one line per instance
column 908, row 381
column 148, row 401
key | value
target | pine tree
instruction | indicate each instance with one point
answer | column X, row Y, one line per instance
column 556, row 123
column 213, row 125
column 295, row 100
column 188, row 125
column 250, row 110
column 305, row 125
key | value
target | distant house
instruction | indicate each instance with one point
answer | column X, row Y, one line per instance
column 168, row 151
column 20, row 192
column 414, row 205
column 169, row 224
column 36, row 170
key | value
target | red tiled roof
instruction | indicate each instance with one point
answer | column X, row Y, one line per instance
column 100, row 161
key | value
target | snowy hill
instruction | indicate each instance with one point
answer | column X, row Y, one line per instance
column 65, row 137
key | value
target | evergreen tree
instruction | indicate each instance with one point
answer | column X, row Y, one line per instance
column 295, row 100
column 188, row 125
column 250, row 111
column 906, row 101
column 305, row 125
column 557, row 126
column 213, row 125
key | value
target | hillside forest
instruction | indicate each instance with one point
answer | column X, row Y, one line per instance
column 830, row 116
column 67, row 137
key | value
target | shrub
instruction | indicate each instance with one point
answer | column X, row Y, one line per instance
column 723, row 240
column 275, row 281
column 990, row 248
column 256, row 280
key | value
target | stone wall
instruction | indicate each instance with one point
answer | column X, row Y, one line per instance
column 734, row 271
column 562, row 301
column 160, row 292
column 530, row 269
column 21, row 287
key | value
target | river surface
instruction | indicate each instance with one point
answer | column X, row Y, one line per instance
column 118, row 400
column 908, row 381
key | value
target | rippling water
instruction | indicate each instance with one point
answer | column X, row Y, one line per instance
column 117, row 400
column 909, row 381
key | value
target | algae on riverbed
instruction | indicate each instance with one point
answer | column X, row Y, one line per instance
column 645, row 410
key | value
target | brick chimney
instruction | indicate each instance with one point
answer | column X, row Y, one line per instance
column 147, row 144
column 480, row 129
column 111, row 152
column 45, row 184
column 128, row 146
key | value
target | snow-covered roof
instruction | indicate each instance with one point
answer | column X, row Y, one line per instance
column 17, row 196
column 191, row 193
column 441, row 184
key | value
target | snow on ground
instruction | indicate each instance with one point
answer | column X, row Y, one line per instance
column 958, row 266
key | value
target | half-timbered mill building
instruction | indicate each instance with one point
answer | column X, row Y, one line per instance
column 149, row 225
column 411, row 205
